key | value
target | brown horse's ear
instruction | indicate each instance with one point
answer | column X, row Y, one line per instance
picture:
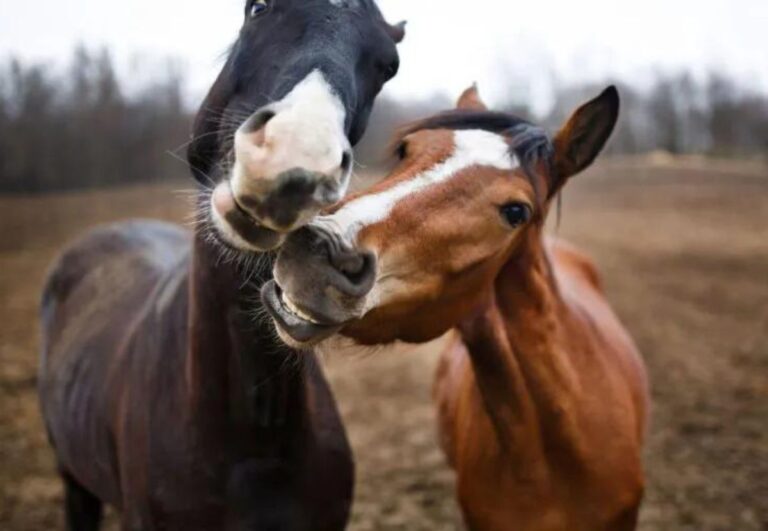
column 470, row 100
column 582, row 138
column 397, row 31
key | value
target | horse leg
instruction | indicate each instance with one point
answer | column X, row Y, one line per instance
column 627, row 521
column 83, row 509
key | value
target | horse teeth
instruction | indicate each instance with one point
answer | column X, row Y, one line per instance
column 294, row 310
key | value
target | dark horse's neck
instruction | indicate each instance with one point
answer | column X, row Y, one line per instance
column 240, row 376
column 262, row 428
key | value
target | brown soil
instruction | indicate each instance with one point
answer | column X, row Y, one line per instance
column 684, row 254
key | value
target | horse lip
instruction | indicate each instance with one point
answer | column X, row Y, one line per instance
column 242, row 223
column 300, row 330
column 241, row 209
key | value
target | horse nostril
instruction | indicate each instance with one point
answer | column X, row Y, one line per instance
column 258, row 120
column 296, row 185
column 339, row 264
column 358, row 269
column 352, row 266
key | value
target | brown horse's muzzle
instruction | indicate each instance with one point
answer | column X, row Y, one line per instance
column 321, row 283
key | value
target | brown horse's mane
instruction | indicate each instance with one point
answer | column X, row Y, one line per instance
column 530, row 144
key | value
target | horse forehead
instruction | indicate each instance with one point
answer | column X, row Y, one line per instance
column 482, row 148
column 470, row 149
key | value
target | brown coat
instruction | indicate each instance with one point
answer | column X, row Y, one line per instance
column 542, row 402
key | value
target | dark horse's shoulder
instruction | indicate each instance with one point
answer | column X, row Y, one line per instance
column 114, row 250
column 101, row 281
column 95, row 294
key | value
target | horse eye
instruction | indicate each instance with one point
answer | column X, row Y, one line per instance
column 392, row 68
column 402, row 151
column 516, row 214
column 257, row 8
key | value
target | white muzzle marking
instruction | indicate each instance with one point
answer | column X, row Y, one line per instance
column 307, row 132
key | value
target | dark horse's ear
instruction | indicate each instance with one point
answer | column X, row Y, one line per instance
column 396, row 31
column 204, row 148
column 584, row 135
column 470, row 100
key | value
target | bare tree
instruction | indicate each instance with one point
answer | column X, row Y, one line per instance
column 81, row 129
column 84, row 129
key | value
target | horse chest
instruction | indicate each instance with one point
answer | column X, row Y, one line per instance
column 532, row 477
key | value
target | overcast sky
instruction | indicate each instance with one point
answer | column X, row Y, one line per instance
column 450, row 43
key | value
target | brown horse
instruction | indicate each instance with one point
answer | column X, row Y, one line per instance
column 161, row 393
column 542, row 396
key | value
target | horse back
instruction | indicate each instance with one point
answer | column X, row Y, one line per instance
column 96, row 291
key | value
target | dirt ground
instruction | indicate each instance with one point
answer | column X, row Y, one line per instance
column 683, row 249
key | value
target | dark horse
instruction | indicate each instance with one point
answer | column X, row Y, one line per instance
column 161, row 393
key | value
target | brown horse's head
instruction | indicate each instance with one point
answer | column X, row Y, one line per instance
column 274, row 135
column 409, row 258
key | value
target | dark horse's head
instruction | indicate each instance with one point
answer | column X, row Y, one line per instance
column 277, row 127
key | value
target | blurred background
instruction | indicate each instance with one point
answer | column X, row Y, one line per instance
column 96, row 102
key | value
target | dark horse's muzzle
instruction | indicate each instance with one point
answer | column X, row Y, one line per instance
column 291, row 159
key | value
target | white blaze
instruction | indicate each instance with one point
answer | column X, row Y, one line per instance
column 472, row 148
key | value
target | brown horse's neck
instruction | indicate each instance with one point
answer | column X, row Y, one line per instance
column 517, row 349
column 236, row 369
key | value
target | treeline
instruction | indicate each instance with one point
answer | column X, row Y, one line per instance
column 677, row 114
column 83, row 128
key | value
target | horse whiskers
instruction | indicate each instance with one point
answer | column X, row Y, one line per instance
column 196, row 138
column 249, row 264
column 223, row 164
column 230, row 118
column 227, row 113
column 209, row 185
column 260, row 316
column 187, row 192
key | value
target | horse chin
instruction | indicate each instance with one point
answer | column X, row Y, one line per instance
column 294, row 327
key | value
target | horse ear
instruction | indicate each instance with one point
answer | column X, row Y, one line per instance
column 396, row 31
column 470, row 100
column 582, row 138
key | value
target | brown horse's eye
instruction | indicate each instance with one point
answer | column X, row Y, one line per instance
column 516, row 214
column 402, row 151
column 257, row 7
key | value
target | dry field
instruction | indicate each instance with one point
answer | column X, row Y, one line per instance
column 683, row 248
